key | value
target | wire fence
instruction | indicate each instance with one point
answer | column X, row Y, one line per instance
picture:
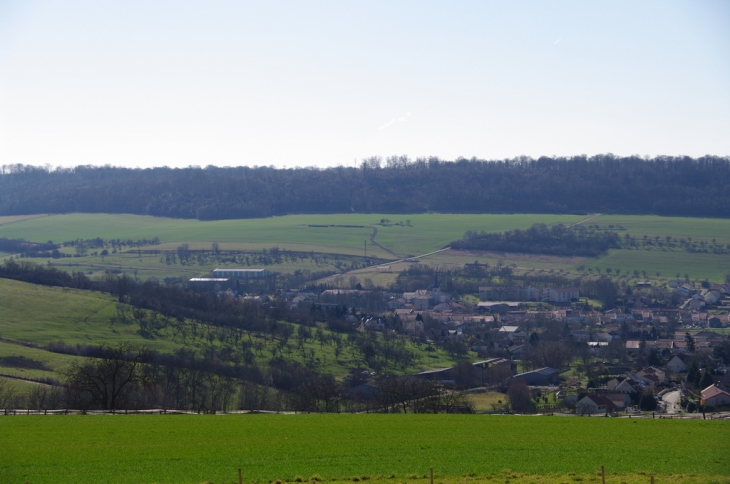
column 163, row 411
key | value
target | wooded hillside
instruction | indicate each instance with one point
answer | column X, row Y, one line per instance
column 605, row 184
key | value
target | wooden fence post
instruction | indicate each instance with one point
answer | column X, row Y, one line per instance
column 603, row 475
column 431, row 475
column 240, row 477
column 652, row 479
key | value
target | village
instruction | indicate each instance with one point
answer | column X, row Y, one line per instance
column 637, row 356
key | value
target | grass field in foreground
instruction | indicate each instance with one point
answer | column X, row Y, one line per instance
column 166, row 449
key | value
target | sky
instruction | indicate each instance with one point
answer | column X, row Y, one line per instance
column 320, row 83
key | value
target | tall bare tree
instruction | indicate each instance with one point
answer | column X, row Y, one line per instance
column 107, row 379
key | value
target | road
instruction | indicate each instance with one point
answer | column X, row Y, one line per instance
column 585, row 220
column 671, row 401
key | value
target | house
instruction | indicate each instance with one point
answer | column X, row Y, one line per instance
column 653, row 375
column 372, row 324
column 542, row 377
column 448, row 306
column 695, row 303
column 516, row 351
column 620, row 400
column 664, row 344
column 626, row 385
column 420, row 303
column 595, row 403
column 716, row 394
column 707, row 336
column 685, row 290
column 677, row 364
column 492, row 371
column 634, row 346
column 613, row 383
column 711, row 297
column 395, row 304
column 533, row 294
column 498, row 306
column 604, row 336
column 409, row 296
column 513, row 333
column 514, row 293
column 560, row 294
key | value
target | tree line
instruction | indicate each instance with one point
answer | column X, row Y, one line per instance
column 541, row 239
column 679, row 186
column 48, row 249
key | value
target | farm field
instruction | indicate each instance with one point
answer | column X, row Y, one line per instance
column 41, row 315
column 670, row 263
column 679, row 227
column 427, row 231
column 145, row 265
column 393, row 448
column 336, row 239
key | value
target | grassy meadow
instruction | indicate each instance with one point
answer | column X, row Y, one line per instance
column 393, row 448
column 343, row 236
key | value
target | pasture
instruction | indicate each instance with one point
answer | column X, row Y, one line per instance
column 394, row 448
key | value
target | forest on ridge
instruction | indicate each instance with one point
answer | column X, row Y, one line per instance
column 671, row 186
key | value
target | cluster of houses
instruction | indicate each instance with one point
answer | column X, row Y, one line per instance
column 500, row 325
column 683, row 342
column 695, row 299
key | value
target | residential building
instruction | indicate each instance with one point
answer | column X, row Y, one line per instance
column 716, row 394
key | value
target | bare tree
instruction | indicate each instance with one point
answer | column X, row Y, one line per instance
column 7, row 393
column 107, row 379
column 42, row 397
column 519, row 395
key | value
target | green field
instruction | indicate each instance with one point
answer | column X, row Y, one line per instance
column 41, row 315
column 667, row 263
column 427, row 231
column 404, row 235
column 194, row 449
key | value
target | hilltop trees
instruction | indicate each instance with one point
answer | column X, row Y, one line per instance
column 603, row 183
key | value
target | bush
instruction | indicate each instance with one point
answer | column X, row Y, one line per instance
column 648, row 402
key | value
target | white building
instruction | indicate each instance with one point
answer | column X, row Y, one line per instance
column 241, row 273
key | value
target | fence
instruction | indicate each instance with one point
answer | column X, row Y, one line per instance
column 154, row 411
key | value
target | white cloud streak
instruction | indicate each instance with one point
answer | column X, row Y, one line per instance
column 395, row 120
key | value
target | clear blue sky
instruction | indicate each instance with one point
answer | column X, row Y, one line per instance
column 150, row 83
